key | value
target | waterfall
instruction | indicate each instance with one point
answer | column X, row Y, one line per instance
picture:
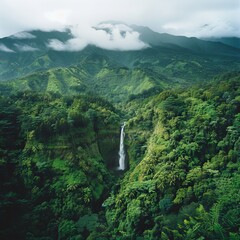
column 121, row 152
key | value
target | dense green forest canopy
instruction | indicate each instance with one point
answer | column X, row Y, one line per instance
column 183, row 179
column 51, row 164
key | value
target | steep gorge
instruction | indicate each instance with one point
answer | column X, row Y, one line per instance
column 59, row 164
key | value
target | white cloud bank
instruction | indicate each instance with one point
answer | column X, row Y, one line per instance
column 185, row 17
column 3, row 48
column 25, row 48
column 21, row 48
column 23, row 35
column 107, row 36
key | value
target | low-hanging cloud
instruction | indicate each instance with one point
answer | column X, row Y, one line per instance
column 23, row 35
column 4, row 48
column 25, row 48
column 106, row 35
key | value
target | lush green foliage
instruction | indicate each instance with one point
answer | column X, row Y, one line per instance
column 182, row 183
column 52, row 169
column 186, row 185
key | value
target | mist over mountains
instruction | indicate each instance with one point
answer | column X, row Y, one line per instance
column 116, row 45
column 107, row 35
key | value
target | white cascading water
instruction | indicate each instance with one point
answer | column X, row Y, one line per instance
column 121, row 152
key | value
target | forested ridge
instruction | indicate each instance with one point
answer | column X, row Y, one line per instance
column 58, row 154
column 185, row 182
column 52, row 167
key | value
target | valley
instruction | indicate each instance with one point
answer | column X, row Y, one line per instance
column 61, row 114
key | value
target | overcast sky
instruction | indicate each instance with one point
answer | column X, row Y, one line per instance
column 180, row 17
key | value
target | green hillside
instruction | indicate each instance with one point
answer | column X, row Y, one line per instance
column 118, row 75
column 95, row 74
column 54, row 152
column 57, row 80
column 231, row 41
column 183, row 181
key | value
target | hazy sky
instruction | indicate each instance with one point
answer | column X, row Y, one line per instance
column 181, row 17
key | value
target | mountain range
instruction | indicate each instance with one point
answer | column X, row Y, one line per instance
column 28, row 61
